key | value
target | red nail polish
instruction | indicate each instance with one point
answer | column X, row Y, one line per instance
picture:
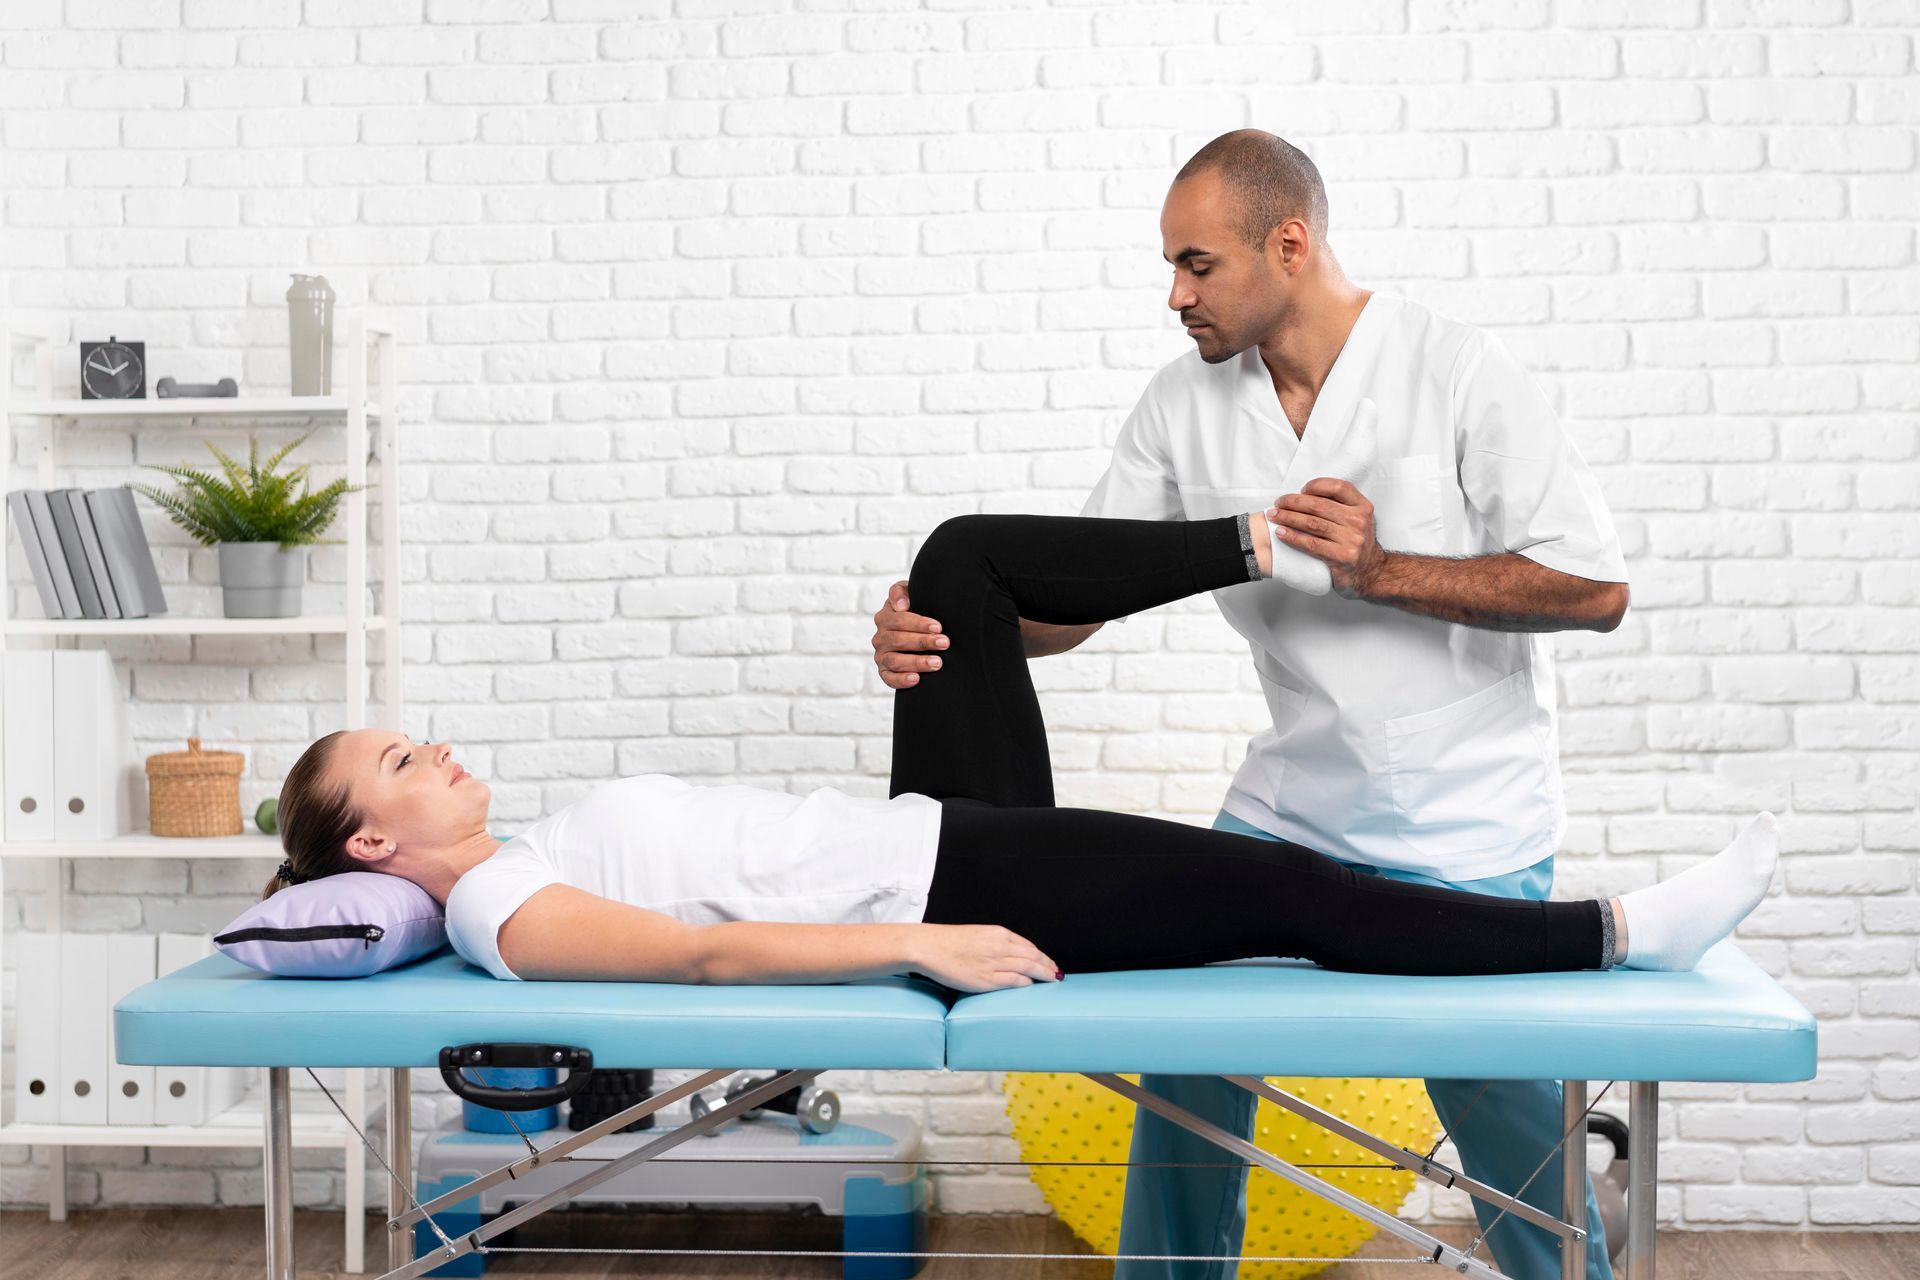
column 1057, row 975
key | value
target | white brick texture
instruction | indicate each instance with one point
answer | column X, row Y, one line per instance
column 710, row 311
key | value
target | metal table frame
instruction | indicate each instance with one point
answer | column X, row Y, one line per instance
column 1643, row 1178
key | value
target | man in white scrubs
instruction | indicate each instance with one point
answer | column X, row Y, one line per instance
column 1413, row 709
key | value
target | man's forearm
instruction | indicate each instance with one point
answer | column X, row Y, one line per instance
column 1500, row 592
column 1044, row 639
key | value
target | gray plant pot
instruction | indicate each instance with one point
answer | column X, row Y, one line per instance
column 259, row 580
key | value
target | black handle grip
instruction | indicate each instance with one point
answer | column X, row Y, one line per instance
column 788, row 1102
column 1613, row 1129
column 578, row 1062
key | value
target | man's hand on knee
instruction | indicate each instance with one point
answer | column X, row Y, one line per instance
column 901, row 639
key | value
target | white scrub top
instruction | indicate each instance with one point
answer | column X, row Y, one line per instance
column 1398, row 740
column 705, row 854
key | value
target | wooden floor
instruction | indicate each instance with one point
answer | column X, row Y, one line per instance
column 225, row 1244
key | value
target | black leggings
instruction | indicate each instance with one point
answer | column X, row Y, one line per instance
column 1098, row 890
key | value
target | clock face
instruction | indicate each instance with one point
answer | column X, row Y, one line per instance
column 112, row 370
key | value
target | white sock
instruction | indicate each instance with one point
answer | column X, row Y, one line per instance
column 1670, row 925
column 1351, row 460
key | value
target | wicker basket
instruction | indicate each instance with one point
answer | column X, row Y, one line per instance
column 194, row 792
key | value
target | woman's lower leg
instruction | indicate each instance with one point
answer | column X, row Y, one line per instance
column 1100, row 891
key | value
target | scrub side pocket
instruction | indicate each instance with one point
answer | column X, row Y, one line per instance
column 1466, row 776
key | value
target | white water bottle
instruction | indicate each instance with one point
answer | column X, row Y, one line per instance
column 310, row 335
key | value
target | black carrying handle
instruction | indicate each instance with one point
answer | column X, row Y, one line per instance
column 578, row 1062
column 1613, row 1129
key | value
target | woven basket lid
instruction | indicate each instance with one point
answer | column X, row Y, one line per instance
column 195, row 763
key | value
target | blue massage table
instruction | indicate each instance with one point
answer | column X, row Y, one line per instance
column 1726, row 1021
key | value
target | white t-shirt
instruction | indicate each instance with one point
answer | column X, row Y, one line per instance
column 705, row 854
column 1398, row 740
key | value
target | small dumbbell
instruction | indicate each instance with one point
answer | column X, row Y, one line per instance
column 817, row 1109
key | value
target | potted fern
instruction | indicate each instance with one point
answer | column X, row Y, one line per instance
column 260, row 525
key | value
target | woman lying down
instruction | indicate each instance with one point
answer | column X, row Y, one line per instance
column 968, row 874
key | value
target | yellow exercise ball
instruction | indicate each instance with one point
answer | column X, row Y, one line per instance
column 1065, row 1117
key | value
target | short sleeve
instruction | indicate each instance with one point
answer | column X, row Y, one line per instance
column 485, row 898
column 1139, row 483
column 1523, row 474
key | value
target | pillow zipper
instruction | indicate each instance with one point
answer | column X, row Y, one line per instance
column 370, row 933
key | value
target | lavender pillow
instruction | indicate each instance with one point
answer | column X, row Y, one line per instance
column 342, row 926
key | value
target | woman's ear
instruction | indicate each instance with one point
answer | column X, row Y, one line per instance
column 369, row 846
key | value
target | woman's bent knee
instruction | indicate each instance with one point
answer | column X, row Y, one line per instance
column 955, row 547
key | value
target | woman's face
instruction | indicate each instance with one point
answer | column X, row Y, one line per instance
column 414, row 796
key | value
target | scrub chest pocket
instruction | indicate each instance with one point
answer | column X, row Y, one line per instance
column 1407, row 511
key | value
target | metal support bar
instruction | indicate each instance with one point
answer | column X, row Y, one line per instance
column 1438, row 1250
column 1573, row 1175
column 1432, row 1170
column 277, row 1164
column 473, row 1240
column 356, row 588
column 399, row 1160
column 557, row 1153
column 1643, row 1176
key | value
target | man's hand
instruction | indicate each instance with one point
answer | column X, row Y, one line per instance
column 899, row 637
column 1333, row 522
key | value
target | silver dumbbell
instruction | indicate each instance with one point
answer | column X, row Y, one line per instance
column 817, row 1109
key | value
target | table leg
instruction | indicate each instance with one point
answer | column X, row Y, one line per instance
column 400, row 1161
column 1573, row 1176
column 277, row 1165
column 1643, row 1177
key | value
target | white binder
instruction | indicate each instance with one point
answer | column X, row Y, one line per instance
column 27, row 760
column 89, row 747
column 83, row 1029
column 130, row 963
column 192, row 1095
column 36, row 1029
column 179, row 1093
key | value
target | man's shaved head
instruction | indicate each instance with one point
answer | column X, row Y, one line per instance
column 1270, row 181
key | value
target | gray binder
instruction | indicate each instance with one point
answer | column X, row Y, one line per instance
column 57, row 567
column 69, row 535
column 115, row 547
column 76, row 500
column 125, row 545
column 35, row 553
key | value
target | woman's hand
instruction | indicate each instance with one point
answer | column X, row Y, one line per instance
column 981, row 957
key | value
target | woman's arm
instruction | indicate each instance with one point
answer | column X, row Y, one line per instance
column 565, row 933
column 756, row 951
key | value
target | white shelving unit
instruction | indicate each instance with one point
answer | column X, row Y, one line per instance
column 315, row 1123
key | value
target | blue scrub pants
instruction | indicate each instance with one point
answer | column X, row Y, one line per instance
column 1204, row 1211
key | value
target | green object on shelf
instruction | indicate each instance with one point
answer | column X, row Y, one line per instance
column 250, row 503
column 267, row 816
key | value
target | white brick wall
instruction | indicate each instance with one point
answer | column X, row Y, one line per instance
column 708, row 316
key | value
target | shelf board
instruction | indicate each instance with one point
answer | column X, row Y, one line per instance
column 250, row 843
column 197, row 407
column 315, row 624
column 315, row 1124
